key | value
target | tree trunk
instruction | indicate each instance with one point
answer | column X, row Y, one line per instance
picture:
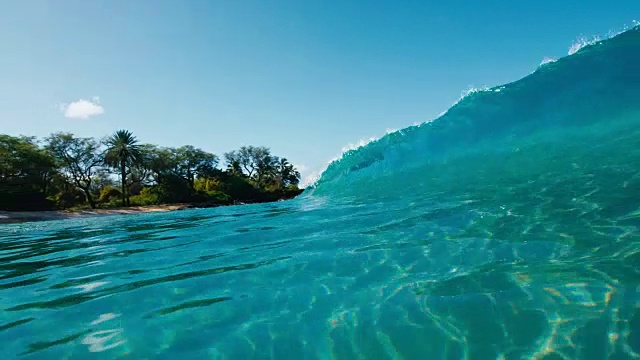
column 87, row 194
column 123, row 174
column 191, row 180
column 258, row 180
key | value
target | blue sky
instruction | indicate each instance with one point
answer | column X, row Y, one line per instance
column 305, row 78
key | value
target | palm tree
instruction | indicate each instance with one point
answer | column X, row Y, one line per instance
column 286, row 173
column 122, row 152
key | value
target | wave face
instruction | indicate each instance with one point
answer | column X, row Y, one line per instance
column 593, row 92
column 506, row 229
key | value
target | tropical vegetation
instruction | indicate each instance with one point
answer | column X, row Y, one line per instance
column 65, row 171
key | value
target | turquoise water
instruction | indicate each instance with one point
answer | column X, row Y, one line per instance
column 506, row 229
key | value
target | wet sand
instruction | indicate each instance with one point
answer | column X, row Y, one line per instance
column 7, row 217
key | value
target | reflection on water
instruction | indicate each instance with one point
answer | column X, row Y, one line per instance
column 522, row 246
column 402, row 279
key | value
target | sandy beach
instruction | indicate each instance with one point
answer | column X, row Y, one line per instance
column 7, row 217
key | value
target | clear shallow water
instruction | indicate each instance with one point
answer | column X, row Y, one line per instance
column 506, row 229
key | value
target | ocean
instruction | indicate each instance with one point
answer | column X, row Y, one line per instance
column 505, row 229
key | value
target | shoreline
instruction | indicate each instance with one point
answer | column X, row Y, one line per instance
column 13, row 217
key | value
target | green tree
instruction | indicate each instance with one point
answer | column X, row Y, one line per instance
column 160, row 161
column 71, row 170
column 286, row 173
column 194, row 163
column 141, row 171
column 79, row 160
column 255, row 161
column 26, row 171
column 23, row 163
column 265, row 169
column 101, row 180
column 247, row 158
column 123, row 152
column 233, row 167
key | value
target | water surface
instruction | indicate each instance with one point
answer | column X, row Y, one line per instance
column 506, row 229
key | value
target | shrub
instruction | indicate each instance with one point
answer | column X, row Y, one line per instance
column 218, row 197
column 172, row 189
column 208, row 184
column 148, row 196
column 239, row 188
column 109, row 193
column 69, row 198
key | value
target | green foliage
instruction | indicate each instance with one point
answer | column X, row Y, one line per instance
column 148, row 196
column 23, row 164
column 69, row 198
column 286, row 174
column 25, row 174
column 186, row 162
column 122, row 146
column 219, row 197
column 108, row 193
column 265, row 170
column 233, row 167
column 211, row 198
column 173, row 189
column 207, row 184
column 160, row 161
column 123, row 151
column 194, row 162
column 250, row 160
column 101, row 180
column 70, row 172
column 77, row 159
column 240, row 188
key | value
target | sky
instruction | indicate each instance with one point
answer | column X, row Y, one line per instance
column 304, row 78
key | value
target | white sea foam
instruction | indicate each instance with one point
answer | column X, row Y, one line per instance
column 582, row 42
column 311, row 180
column 464, row 94
column 357, row 145
column 547, row 60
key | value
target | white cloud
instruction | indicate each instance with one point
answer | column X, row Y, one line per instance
column 82, row 109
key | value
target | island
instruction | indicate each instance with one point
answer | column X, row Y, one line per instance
column 65, row 176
